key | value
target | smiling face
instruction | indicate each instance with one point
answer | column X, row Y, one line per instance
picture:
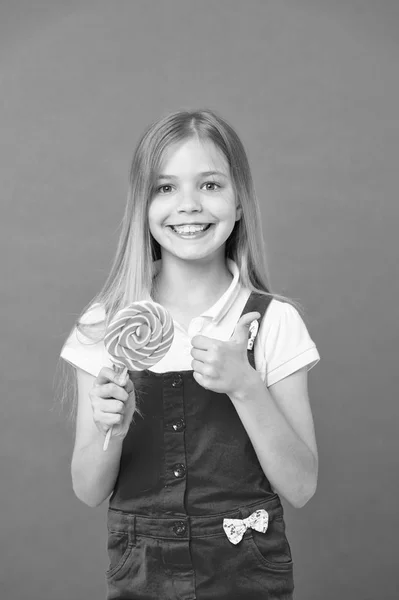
column 193, row 210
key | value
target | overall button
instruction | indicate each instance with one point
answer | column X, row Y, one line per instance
column 179, row 528
column 179, row 425
column 178, row 380
column 179, row 470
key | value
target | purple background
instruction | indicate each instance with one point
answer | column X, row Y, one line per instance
column 312, row 88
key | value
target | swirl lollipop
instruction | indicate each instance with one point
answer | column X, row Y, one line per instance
column 138, row 337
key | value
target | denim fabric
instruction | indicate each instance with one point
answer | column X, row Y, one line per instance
column 186, row 464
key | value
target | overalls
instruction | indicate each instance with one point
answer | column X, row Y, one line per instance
column 187, row 464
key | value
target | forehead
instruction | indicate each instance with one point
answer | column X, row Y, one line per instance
column 192, row 156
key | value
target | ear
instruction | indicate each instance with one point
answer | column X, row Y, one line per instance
column 238, row 212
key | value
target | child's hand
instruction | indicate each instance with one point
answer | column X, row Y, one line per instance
column 113, row 402
column 223, row 366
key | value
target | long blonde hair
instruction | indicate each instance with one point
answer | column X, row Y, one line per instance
column 132, row 270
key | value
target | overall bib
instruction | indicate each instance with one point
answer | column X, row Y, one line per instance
column 187, row 464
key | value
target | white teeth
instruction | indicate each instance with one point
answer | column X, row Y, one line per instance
column 189, row 228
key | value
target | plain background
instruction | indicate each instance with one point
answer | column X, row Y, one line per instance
column 312, row 88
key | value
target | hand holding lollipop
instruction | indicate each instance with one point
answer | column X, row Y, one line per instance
column 138, row 337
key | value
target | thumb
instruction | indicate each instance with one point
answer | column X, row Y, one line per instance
column 122, row 377
column 241, row 331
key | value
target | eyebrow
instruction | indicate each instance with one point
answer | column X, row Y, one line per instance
column 203, row 174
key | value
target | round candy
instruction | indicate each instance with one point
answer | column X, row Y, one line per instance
column 139, row 335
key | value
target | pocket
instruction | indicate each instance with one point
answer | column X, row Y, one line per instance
column 271, row 548
column 120, row 547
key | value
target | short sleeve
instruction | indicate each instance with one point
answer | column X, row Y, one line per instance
column 287, row 345
column 80, row 351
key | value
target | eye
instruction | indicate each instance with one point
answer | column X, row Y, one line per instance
column 208, row 186
column 164, row 189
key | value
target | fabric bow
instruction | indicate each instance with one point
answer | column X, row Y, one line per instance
column 235, row 528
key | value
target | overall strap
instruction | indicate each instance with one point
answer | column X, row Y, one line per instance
column 255, row 303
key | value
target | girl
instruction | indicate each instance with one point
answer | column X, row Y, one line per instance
column 224, row 426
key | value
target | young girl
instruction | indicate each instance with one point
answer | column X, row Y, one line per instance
column 224, row 426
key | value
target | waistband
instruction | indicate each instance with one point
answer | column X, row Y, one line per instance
column 184, row 526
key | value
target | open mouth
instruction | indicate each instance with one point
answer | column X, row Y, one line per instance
column 190, row 230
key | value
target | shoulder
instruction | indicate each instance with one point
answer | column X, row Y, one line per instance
column 278, row 307
column 94, row 314
column 284, row 342
column 84, row 347
column 281, row 314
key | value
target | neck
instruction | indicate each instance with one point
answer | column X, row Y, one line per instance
column 191, row 283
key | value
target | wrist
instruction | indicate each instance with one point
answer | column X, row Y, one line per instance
column 247, row 387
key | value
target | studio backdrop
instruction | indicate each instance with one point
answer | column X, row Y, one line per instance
column 312, row 88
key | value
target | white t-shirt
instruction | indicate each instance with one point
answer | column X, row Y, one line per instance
column 282, row 346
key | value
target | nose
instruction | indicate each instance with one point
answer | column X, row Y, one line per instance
column 189, row 201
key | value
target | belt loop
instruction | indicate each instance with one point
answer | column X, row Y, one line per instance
column 128, row 524
column 132, row 529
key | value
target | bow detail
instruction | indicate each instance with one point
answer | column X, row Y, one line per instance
column 235, row 528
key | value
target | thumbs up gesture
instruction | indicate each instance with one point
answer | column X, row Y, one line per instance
column 223, row 366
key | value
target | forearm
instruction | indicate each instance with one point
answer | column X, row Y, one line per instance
column 94, row 471
column 286, row 460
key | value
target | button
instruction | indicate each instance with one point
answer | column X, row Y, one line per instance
column 179, row 470
column 179, row 528
column 178, row 380
column 179, row 425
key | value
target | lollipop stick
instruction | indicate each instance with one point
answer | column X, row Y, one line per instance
column 109, row 432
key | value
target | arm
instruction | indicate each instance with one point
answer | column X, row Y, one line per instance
column 93, row 471
column 279, row 423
